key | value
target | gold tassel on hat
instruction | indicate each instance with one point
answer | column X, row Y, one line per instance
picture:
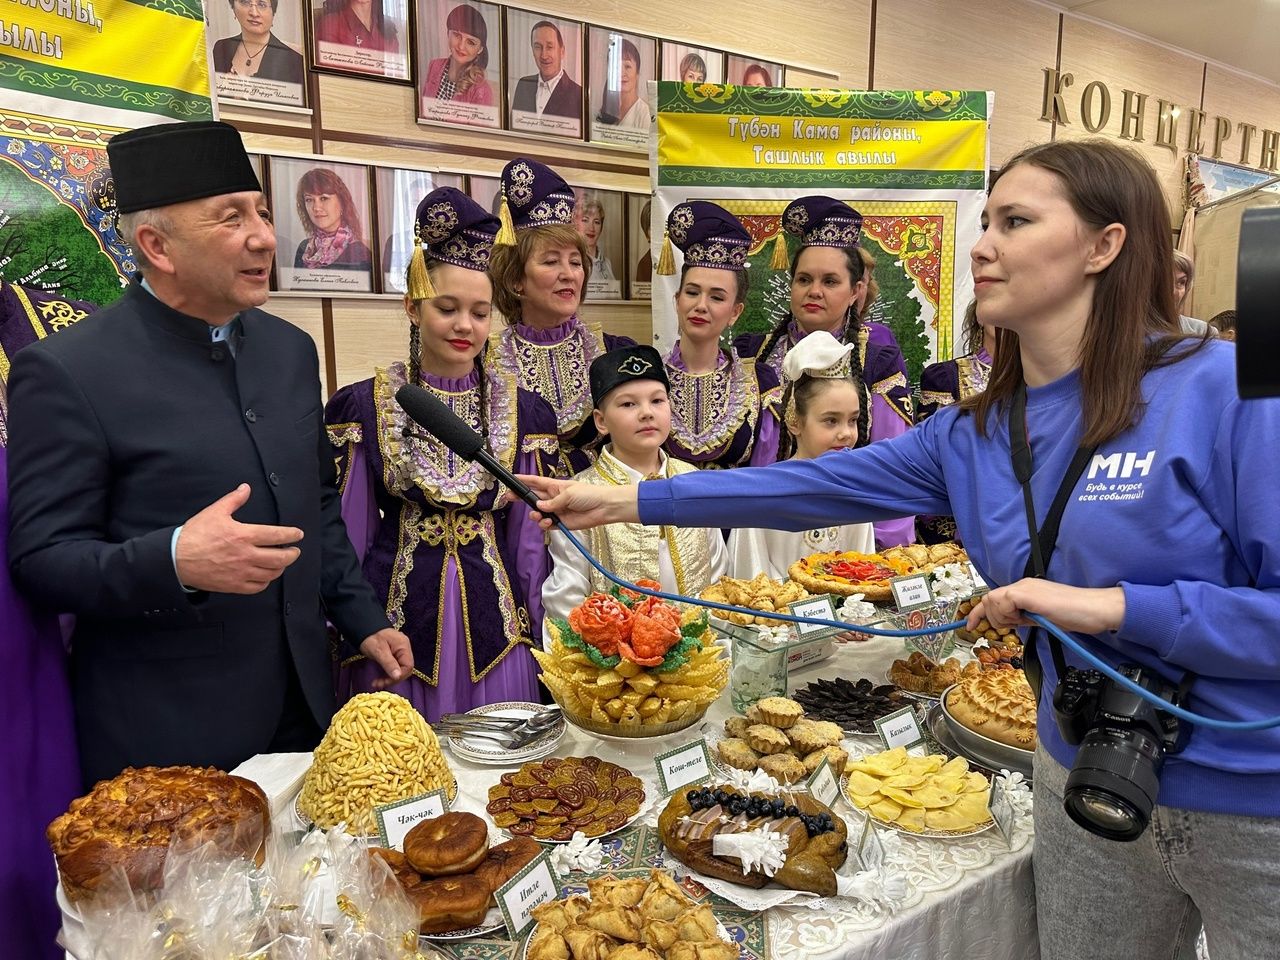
column 666, row 259
column 420, row 285
column 507, row 231
column 780, row 260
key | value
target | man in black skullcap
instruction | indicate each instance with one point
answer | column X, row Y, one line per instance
column 172, row 486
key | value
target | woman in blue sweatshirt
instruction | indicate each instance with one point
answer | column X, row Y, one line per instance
column 1168, row 554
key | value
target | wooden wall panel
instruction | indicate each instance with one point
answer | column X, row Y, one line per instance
column 303, row 312
column 939, row 45
column 1122, row 61
column 1243, row 100
column 1217, row 246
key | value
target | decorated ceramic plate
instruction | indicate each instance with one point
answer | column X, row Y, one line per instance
column 482, row 750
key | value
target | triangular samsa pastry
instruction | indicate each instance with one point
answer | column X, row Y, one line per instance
column 633, row 951
column 621, row 923
column 697, row 925
column 626, row 893
column 663, row 900
column 719, row 950
column 659, row 934
column 547, row 944
column 558, row 914
column 587, row 944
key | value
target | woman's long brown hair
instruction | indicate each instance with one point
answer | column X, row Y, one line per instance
column 1133, row 321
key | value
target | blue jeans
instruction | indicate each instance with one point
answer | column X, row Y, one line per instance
column 1146, row 900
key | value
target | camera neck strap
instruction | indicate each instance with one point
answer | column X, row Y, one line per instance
column 1045, row 539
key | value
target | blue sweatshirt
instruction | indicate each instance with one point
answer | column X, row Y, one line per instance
column 1182, row 511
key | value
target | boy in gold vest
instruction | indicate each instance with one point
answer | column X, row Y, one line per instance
column 629, row 391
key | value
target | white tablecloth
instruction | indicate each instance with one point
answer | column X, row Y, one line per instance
column 967, row 899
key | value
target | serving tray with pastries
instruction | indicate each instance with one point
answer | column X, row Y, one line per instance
column 869, row 574
column 634, row 914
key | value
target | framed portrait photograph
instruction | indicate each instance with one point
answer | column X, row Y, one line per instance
column 365, row 37
column 686, row 64
column 397, row 194
column 639, row 246
column 598, row 216
column 459, row 62
column 750, row 72
column 321, row 211
column 255, row 161
column 544, row 74
column 258, row 56
column 620, row 68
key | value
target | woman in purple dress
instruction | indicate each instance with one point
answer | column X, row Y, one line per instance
column 826, row 281
column 39, row 769
column 724, row 409
column 537, row 285
column 440, row 540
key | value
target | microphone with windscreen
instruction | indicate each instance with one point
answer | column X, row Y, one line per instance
column 433, row 415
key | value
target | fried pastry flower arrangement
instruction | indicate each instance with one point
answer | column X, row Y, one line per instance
column 624, row 659
column 628, row 918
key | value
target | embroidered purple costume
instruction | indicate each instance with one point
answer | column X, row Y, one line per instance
column 553, row 363
column 941, row 385
column 823, row 221
column 451, row 557
column 727, row 417
column 39, row 770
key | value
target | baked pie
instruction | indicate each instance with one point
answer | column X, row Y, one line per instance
column 999, row 705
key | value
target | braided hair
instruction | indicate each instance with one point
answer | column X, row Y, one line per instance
column 852, row 327
column 800, row 394
column 414, row 371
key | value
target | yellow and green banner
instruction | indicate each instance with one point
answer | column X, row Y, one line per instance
column 72, row 74
column 912, row 162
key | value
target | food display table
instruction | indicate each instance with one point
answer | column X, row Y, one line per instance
column 962, row 898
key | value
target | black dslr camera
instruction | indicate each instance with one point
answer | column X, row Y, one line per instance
column 1123, row 740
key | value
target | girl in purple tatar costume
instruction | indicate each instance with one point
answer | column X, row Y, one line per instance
column 441, row 542
column 724, row 409
column 39, row 769
column 538, row 281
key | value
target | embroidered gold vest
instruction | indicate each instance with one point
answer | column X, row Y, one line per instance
column 631, row 549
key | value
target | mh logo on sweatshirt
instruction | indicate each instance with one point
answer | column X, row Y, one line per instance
column 1121, row 466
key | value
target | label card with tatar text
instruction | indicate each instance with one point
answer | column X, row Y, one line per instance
column 823, row 785
column 535, row 884
column 1002, row 811
column 683, row 766
column 911, row 592
column 821, row 608
column 397, row 819
column 979, row 585
column 869, row 850
column 900, row 729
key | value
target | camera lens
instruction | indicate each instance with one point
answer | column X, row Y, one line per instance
column 1114, row 782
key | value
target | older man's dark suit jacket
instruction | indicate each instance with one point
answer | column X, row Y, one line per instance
column 565, row 99
column 125, row 426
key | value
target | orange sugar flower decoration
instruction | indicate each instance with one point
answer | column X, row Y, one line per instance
column 602, row 621
column 655, row 629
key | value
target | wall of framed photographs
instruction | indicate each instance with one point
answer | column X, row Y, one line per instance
column 433, row 88
column 446, row 92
